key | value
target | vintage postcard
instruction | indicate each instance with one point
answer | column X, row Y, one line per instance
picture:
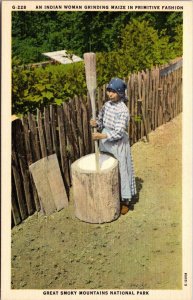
column 96, row 119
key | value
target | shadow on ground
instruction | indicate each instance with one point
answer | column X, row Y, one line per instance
column 135, row 199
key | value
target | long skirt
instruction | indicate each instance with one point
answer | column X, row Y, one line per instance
column 120, row 149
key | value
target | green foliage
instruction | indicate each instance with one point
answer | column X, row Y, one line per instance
column 77, row 31
column 141, row 47
column 137, row 118
column 178, row 41
column 173, row 21
column 40, row 87
column 125, row 42
column 34, row 33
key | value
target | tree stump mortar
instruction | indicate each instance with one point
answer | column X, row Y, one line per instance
column 96, row 193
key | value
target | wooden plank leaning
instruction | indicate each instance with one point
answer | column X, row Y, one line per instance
column 48, row 180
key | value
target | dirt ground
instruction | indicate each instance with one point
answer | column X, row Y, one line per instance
column 140, row 250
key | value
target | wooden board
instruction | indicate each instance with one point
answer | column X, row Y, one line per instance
column 49, row 184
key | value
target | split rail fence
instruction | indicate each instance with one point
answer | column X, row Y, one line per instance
column 154, row 98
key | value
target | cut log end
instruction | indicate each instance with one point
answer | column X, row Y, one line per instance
column 96, row 193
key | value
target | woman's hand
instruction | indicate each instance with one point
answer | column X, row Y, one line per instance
column 93, row 123
column 98, row 136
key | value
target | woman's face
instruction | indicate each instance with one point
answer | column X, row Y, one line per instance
column 113, row 96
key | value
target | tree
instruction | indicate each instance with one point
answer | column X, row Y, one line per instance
column 80, row 31
column 142, row 47
column 178, row 41
column 124, row 43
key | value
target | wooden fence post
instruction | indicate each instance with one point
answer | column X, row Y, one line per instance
column 34, row 137
column 53, row 121
column 19, row 186
column 29, row 156
column 41, row 134
column 79, row 125
column 20, row 160
column 48, row 131
column 85, row 124
column 63, row 152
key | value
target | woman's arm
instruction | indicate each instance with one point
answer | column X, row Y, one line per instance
column 99, row 121
column 99, row 136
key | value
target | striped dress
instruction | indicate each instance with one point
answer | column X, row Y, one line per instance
column 113, row 119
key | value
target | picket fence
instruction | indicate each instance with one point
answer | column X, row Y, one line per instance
column 154, row 98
